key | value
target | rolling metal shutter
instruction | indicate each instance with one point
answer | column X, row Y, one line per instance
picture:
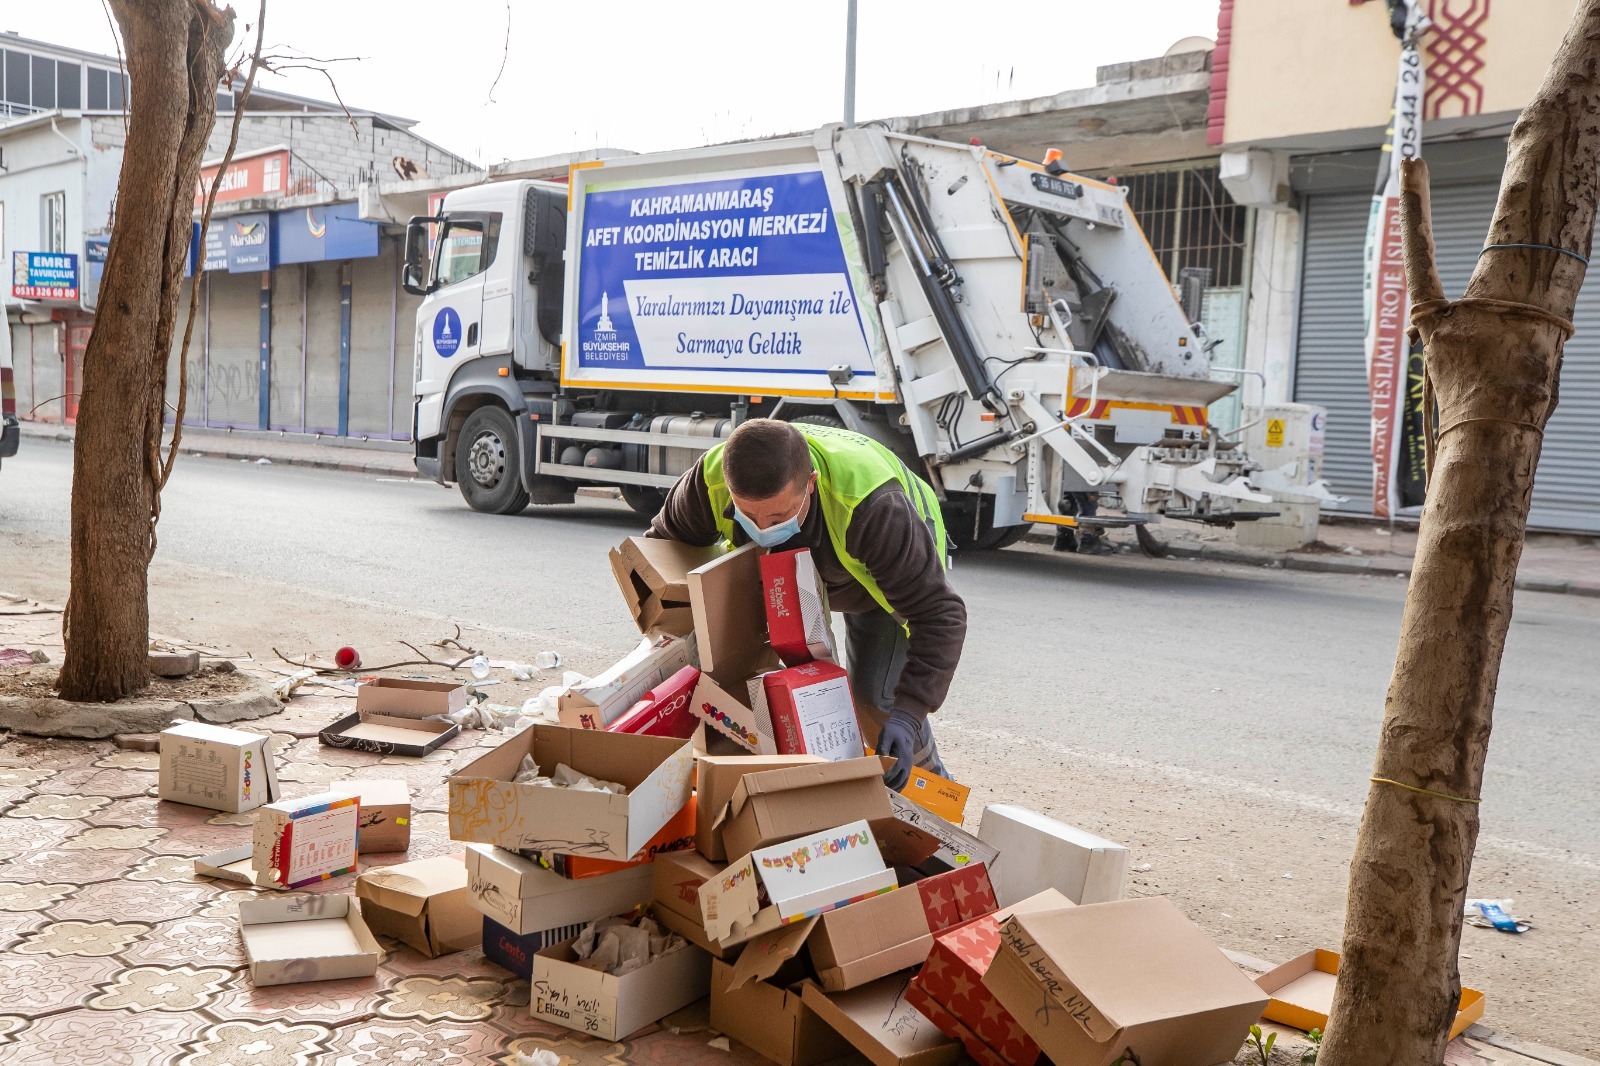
column 322, row 347
column 374, row 283
column 1330, row 365
column 288, row 371
column 232, row 379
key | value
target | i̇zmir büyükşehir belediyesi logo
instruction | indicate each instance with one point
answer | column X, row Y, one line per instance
column 603, row 343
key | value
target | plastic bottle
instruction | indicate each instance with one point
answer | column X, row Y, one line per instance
column 480, row 667
column 547, row 660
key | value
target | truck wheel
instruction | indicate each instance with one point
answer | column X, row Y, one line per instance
column 486, row 468
column 958, row 526
column 646, row 500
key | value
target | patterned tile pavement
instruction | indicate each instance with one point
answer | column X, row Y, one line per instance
column 113, row 952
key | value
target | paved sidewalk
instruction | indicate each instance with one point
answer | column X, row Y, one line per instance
column 1551, row 562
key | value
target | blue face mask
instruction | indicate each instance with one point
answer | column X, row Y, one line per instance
column 772, row 536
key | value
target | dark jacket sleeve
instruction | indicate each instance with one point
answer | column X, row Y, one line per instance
column 686, row 516
column 899, row 551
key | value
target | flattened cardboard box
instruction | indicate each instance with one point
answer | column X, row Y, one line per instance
column 400, row 697
column 1089, row 984
column 773, row 1020
column 290, row 939
column 423, row 903
column 1302, row 994
column 1037, row 853
column 223, row 769
column 385, row 813
column 606, row 697
column 303, row 841
column 653, row 576
column 776, row 805
column 384, row 734
column 880, row 1023
column 526, row 898
column 607, row 1007
column 716, row 776
column 486, row 807
column 664, row 710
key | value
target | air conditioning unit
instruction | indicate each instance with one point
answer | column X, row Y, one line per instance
column 1255, row 177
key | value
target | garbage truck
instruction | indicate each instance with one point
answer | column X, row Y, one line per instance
column 1000, row 324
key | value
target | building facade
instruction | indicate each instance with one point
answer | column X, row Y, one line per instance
column 300, row 322
column 1300, row 102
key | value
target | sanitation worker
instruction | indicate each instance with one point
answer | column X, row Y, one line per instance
column 877, row 536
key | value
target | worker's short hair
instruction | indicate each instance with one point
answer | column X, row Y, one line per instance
column 764, row 457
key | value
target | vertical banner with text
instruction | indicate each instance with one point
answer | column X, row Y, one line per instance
column 1387, row 306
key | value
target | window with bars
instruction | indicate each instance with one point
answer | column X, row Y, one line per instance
column 1191, row 222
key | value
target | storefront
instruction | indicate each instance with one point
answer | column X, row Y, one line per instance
column 1329, row 358
column 301, row 327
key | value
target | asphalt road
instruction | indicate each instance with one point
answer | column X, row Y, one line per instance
column 1270, row 679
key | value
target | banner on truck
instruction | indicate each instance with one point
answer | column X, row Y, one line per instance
column 738, row 281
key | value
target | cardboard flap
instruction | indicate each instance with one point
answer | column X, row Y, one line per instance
column 730, row 899
column 765, row 955
column 957, row 847
column 730, row 618
column 771, row 782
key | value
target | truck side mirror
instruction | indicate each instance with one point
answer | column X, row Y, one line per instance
column 414, row 275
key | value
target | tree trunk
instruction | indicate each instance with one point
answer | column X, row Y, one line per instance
column 175, row 54
column 1494, row 361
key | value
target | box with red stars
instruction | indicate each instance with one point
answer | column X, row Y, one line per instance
column 949, row 988
column 873, row 938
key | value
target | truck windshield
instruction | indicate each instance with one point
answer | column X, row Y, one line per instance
column 466, row 247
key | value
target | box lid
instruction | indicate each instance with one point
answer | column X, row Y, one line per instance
column 385, row 792
column 407, row 886
column 730, row 618
column 408, row 698
column 213, row 734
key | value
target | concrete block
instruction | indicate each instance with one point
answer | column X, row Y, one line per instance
column 1541, row 584
column 174, row 663
column 138, row 741
column 1328, row 564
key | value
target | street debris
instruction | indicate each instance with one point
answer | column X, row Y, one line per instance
column 1494, row 914
column 20, row 657
column 702, row 818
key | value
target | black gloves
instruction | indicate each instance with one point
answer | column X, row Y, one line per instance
column 899, row 740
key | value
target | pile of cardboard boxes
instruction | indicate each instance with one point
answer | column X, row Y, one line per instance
column 728, row 812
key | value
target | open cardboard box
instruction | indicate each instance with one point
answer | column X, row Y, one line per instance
column 801, row 878
column 676, row 835
column 290, row 939
column 401, row 697
column 775, row 805
column 526, row 898
column 384, row 734
column 609, row 1007
column 1037, row 853
column 772, row 1018
column 211, row 766
column 424, row 904
column 1302, row 994
column 653, row 576
column 955, row 847
column 881, row 1024
column 716, row 776
column 598, row 702
column 1091, row 983
column 234, row 864
column 488, row 808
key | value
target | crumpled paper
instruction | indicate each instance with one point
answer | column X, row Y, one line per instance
column 620, row 946
column 564, row 776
